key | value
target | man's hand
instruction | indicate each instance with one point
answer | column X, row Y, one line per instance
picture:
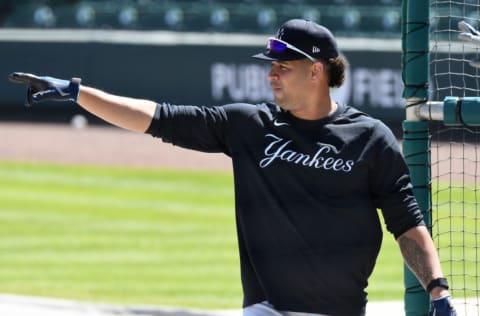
column 47, row 88
column 443, row 307
column 469, row 34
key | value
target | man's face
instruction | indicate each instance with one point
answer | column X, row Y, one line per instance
column 288, row 81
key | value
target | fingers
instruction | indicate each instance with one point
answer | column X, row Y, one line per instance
column 34, row 85
column 465, row 36
column 475, row 63
column 44, row 94
column 28, row 98
column 21, row 77
column 31, row 80
column 468, row 33
column 465, row 27
column 468, row 37
column 38, row 96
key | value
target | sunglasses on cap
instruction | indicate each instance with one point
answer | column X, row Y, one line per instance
column 278, row 46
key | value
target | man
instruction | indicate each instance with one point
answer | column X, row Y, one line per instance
column 309, row 176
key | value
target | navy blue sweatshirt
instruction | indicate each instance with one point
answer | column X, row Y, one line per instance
column 306, row 198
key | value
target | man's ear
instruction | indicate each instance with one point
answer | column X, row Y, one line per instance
column 317, row 70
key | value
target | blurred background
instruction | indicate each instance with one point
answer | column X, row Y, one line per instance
column 344, row 17
column 191, row 52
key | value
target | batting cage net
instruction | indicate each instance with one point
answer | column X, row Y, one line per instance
column 454, row 148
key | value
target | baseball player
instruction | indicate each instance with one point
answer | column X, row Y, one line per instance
column 309, row 175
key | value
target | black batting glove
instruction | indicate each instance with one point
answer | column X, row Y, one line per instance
column 443, row 307
column 47, row 88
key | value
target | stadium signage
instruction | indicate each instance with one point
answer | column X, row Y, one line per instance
column 364, row 86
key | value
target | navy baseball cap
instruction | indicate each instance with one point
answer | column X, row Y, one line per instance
column 297, row 39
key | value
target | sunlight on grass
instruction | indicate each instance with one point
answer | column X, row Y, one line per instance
column 456, row 231
column 163, row 237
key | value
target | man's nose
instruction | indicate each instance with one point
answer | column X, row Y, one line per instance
column 272, row 75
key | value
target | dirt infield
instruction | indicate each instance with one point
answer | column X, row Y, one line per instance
column 109, row 145
column 98, row 145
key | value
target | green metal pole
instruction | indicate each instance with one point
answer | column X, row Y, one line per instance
column 416, row 144
column 459, row 111
column 415, row 61
column 415, row 49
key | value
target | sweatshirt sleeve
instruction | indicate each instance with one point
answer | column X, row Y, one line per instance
column 391, row 185
column 193, row 127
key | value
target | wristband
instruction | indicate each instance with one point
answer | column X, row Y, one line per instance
column 75, row 88
column 441, row 282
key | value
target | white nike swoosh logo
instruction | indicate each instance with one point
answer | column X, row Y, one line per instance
column 277, row 123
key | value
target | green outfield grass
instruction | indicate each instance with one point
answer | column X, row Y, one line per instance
column 118, row 235
column 132, row 236
column 456, row 230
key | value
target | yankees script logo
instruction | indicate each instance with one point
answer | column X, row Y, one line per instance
column 321, row 159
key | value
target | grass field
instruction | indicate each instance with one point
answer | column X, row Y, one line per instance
column 132, row 236
column 456, row 230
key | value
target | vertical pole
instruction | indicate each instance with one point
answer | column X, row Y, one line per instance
column 416, row 144
column 415, row 59
column 415, row 62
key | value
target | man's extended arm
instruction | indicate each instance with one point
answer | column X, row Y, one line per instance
column 128, row 113
column 132, row 114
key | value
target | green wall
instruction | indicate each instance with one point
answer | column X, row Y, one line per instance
column 184, row 74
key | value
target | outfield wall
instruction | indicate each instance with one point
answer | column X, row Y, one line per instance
column 183, row 68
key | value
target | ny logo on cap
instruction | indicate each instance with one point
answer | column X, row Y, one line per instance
column 280, row 33
column 315, row 49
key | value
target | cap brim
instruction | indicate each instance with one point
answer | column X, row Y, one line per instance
column 262, row 56
column 288, row 55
